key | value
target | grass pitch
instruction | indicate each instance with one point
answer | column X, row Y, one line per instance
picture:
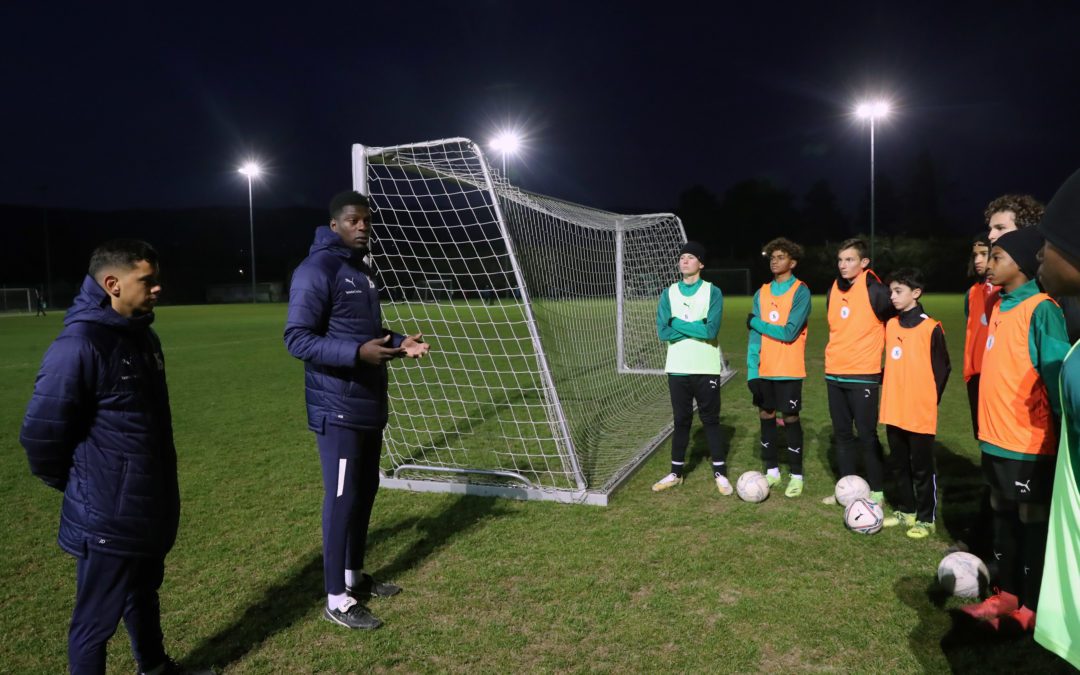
column 681, row 581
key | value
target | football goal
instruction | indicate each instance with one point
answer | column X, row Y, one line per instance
column 16, row 301
column 545, row 377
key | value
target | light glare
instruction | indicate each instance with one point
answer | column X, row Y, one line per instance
column 250, row 169
column 872, row 110
column 507, row 142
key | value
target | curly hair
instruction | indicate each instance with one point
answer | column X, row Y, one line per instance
column 1027, row 210
column 793, row 250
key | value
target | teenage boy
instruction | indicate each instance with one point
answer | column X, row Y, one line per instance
column 1009, row 213
column 916, row 370
column 1058, row 624
column 1025, row 345
column 775, row 359
column 1012, row 212
column 858, row 306
column 978, row 303
column 335, row 327
column 99, row 429
column 688, row 319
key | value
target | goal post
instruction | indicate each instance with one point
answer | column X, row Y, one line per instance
column 543, row 381
column 16, row 301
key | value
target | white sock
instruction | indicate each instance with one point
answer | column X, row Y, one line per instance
column 774, row 472
column 353, row 577
column 796, row 476
column 334, row 601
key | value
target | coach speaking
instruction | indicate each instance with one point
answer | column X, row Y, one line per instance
column 335, row 327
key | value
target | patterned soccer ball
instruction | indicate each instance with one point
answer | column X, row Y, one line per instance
column 963, row 574
column 752, row 486
column 864, row 516
column 850, row 488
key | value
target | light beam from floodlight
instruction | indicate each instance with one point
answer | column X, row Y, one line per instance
column 507, row 143
column 872, row 110
column 252, row 171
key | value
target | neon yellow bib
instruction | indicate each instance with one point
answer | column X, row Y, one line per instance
column 692, row 356
column 1057, row 622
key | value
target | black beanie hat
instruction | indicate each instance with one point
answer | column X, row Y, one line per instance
column 695, row 249
column 1061, row 222
column 1023, row 246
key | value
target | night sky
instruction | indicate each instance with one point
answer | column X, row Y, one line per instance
column 624, row 105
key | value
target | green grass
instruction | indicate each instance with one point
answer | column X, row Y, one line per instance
column 682, row 581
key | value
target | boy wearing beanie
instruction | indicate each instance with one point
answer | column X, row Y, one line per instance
column 1025, row 345
column 688, row 319
column 1058, row 624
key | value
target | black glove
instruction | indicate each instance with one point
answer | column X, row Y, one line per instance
column 749, row 318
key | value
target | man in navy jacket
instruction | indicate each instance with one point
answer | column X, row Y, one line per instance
column 335, row 327
column 99, row 429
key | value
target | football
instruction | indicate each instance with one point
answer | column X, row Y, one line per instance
column 864, row 516
column 850, row 488
column 963, row 574
column 752, row 486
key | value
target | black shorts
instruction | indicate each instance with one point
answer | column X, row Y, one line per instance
column 1018, row 480
column 783, row 396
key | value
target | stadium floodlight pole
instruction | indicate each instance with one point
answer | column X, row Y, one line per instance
column 872, row 110
column 507, row 143
column 252, row 171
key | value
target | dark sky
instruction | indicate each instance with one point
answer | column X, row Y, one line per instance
column 154, row 104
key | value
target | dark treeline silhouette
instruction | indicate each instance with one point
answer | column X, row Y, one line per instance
column 202, row 247
column 199, row 247
column 910, row 227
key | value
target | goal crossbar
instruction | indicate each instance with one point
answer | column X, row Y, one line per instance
column 543, row 381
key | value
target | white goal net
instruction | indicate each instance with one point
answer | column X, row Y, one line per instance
column 544, row 379
column 16, row 301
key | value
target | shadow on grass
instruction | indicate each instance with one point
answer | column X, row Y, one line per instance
column 963, row 642
column 964, row 502
column 293, row 596
column 698, row 449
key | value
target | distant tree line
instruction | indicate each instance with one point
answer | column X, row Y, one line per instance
column 205, row 246
column 910, row 227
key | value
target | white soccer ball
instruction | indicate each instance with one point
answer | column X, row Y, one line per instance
column 864, row 516
column 752, row 486
column 963, row 574
column 850, row 488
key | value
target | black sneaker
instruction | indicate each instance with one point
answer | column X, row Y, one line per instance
column 352, row 615
column 171, row 667
column 375, row 589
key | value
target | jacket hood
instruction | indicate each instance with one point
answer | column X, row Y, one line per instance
column 328, row 240
column 92, row 306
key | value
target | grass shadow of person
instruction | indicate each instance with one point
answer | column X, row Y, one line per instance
column 964, row 643
column 964, row 504
column 697, row 450
column 301, row 587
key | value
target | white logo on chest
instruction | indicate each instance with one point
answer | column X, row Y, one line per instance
column 989, row 342
column 845, row 312
column 353, row 284
column 896, row 352
column 774, row 316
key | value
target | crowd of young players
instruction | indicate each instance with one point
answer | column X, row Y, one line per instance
column 882, row 342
